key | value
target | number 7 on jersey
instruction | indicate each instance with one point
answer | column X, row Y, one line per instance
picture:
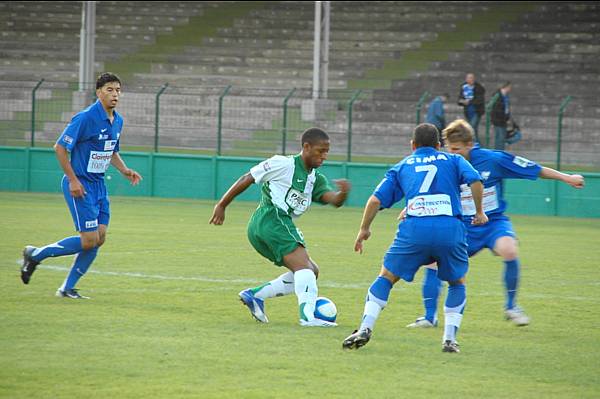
column 431, row 171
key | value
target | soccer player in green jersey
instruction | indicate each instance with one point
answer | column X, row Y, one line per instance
column 289, row 185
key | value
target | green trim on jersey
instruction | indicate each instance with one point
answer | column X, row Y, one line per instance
column 288, row 185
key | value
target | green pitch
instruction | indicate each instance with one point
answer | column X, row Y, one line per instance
column 164, row 320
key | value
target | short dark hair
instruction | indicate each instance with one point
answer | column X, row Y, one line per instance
column 105, row 78
column 314, row 135
column 426, row 135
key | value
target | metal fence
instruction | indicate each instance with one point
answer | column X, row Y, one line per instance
column 237, row 121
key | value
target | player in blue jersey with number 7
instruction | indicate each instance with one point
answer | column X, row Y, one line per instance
column 433, row 231
column 497, row 235
column 92, row 139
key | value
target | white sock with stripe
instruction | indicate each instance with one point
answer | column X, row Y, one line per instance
column 305, row 286
column 282, row 285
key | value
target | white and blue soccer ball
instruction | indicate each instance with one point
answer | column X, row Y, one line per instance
column 325, row 309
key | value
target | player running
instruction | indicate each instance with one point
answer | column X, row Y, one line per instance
column 430, row 180
column 497, row 235
column 289, row 185
column 92, row 139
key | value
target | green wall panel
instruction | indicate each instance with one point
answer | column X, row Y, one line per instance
column 205, row 177
column 13, row 169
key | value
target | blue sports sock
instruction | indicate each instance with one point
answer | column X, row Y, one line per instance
column 82, row 263
column 377, row 298
column 453, row 311
column 511, row 281
column 431, row 292
column 66, row 246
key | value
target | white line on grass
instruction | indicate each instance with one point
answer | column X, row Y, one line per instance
column 324, row 284
column 190, row 278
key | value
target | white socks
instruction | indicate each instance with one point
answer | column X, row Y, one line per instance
column 305, row 286
column 282, row 285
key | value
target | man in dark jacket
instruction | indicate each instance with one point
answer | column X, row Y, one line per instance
column 501, row 115
column 472, row 98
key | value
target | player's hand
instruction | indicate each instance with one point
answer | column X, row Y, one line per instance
column 344, row 185
column 576, row 181
column 133, row 176
column 479, row 219
column 363, row 235
column 402, row 215
column 76, row 189
column 218, row 216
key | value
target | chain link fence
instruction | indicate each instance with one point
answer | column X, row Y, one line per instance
column 238, row 121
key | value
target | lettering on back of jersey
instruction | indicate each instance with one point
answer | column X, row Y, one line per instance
column 430, row 205
column 431, row 158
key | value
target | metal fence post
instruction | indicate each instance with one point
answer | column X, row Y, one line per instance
column 564, row 104
column 157, row 115
column 220, row 119
column 423, row 98
column 284, row 125
column 37, row 86
column 488, row 117
column 350, row 104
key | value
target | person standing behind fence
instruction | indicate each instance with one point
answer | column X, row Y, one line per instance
column 501, row 115
column 92, row 140
column 436, row 114
column 472, row 99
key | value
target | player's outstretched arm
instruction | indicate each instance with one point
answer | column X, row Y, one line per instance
column 130, row 174
column 218, row 216
column 337, row 198
column 576, row 181
column 477, row 191
column 371, row 209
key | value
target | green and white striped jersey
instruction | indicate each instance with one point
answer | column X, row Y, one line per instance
column 288, row 185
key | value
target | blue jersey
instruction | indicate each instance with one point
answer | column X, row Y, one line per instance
column 430, row 180
column 91, row 139
column 435, row 114
column 494, row 166
column 469, row 94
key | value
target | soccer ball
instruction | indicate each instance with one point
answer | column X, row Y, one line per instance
column 325, row 309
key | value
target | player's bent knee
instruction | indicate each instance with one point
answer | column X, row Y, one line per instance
column 89, row 240
column 507, row 248
column 385, row 273
column 460, row 281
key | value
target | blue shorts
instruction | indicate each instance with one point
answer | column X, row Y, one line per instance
column 485, row 236
column 90, row 210
column 421, row 241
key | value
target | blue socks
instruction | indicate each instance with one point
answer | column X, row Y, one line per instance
column 453, row 311
column 431, row 292
column 511, row 281
column 377, row 298
column 66, row 246
column 82, row 263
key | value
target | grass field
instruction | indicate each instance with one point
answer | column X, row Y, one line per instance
column 164, row 320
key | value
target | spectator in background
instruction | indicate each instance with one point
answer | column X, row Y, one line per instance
column 436, row 115
column 472, row 98
column 501, row 115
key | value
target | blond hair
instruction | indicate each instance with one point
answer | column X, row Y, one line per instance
column 458, row 131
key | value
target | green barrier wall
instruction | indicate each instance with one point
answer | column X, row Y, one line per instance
column 205, row 177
